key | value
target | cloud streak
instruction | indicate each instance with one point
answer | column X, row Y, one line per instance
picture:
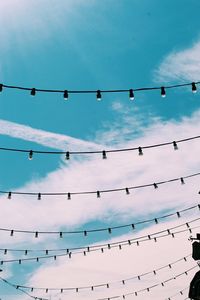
column 44, row 138
column 180, row 65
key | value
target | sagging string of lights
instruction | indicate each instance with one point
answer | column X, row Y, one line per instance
column 98, row 193
column 102, row 247
column 60, row 234
column 102, row 152
column 103, row 285
column 178, row 293
column 131, row 92
column 148, row 289
column 21, row 290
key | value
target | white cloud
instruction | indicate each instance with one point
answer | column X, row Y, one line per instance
column 180, row 65
column 119, row 170
column 48, row 139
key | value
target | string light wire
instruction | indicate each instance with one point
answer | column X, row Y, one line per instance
column 86, row 249
column 150, row 287
column 178, row 293
column 85, row 232
column 99, row 192
column 130, row 92
column 105, row 285
column 102, row 152
column 21, row 290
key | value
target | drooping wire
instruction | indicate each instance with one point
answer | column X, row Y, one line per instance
column 103, row 153
column 85, row 232
column 102, row 247
column 99, row 192
column 21, row 290
column 147, row 289
column 130, row 92
column 178, row 293
column 104, row 285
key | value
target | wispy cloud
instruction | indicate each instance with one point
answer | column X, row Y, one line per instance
column 180, row 65
column 45, row 138
column 118, row 170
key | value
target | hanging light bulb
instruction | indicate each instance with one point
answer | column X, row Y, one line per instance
column 163, row 93
column 98, row 194
column 140, row 151
column 182, row 180
column 1, row 87
column 33, row 92
column 39, row 196
column 131, row 94
column 194, row 88
column 65, row 95
column 67, row 155
column 175, row 145
column 155, row 186
column 98, row 95
column 127, row 191
column 104, row 154
column 9, row 195
column 30, row 155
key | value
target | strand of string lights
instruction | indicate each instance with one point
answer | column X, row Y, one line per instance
column 21, row 290
column 103, row 285
column 102, row 247
column 109, row 230
column 102, row 152
column 178, row 293
column 98, row 93
column 148, row 289
column 98, row 192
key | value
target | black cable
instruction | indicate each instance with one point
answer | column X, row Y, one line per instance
column 179, row 293
column 150, row 287
column 98, row 92
column 119, row 244
column 21, row 290
column 155, row 220
column 103, row 152
column 92, row 287
column 99, row 192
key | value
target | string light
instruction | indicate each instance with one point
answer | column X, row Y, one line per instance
column 99, row 285
column 97, row 230
column 65, row 95
column 163, row 93
column 155, row 185
column 194, row 88
column 21, row 290
column 68, row 153
column 102, row 247
column 131, row 94
column 104, row 154
column 175, row 145
column 30, row 156
column 69, row 194
column 147, row 289
column 33, row 92
column 98, row 95
column 98, row 92
column 178, row 293
column 182, row 180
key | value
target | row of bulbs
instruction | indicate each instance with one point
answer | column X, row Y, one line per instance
column 131, row 93
column 99, row 92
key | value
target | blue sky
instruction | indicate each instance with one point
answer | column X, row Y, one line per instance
column 90, row 45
